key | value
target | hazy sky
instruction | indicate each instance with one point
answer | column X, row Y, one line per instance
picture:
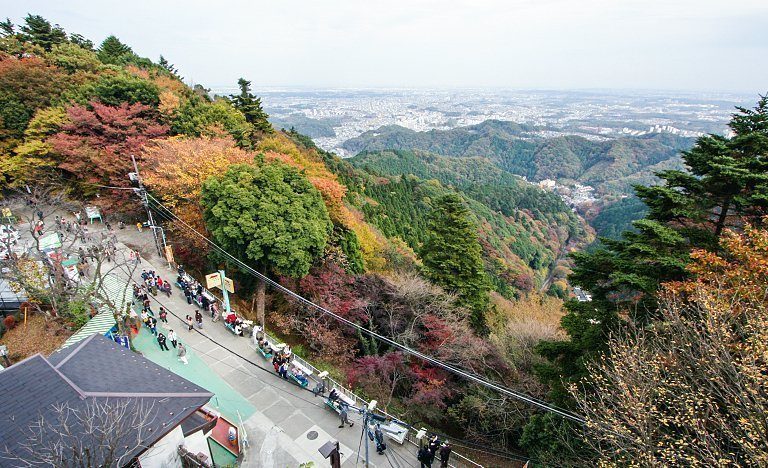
column 661, row 44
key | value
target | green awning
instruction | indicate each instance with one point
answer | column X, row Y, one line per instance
column 118, row 292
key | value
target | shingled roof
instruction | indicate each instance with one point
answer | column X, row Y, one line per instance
column 96, row 370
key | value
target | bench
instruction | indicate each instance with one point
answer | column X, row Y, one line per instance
column 265, row 354
column 304, row 370
column 336, row 405
column 395, row 431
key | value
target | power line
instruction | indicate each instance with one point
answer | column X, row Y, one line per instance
column 456, row 441
column 467, row 375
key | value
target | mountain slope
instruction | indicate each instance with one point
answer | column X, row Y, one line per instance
column 523, row 229
column 610, row 166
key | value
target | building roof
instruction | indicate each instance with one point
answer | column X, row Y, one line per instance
column 96, row 371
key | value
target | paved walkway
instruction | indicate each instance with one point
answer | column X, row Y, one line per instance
column 287, row 424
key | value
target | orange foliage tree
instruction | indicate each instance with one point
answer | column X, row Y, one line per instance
column 176, row 170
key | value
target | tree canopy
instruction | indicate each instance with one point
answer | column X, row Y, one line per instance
column 250, row 106
column 452, row 256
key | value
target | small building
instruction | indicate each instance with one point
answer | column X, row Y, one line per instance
column 581, row 295
column 100, row 400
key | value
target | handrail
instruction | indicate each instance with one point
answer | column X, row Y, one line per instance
column 359, row 401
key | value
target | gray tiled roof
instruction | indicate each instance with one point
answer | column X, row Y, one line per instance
column 97, row 369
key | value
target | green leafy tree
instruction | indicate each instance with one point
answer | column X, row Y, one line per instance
column 452, row 256
column 270, row 215
column 250, row 106
column 113, row 51
column 200, row 117
column 114, row 90
column 726, row 185
column 79, row 40
column 73, row 58
column 40, row 31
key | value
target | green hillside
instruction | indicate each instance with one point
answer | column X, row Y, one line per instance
column 523, row 229
column 611, row 166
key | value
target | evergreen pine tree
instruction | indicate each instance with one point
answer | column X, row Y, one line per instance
column 452, row 256
column 81, row 41
column 168, row 66
column 113, row 51
column 726, row 186
column 40, row 31
column 7, row 28
column 250, row 106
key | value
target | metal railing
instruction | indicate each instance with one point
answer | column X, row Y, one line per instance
column 358, row 401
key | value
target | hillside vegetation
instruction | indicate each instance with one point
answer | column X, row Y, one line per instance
column 433, row 264
column 611, row 166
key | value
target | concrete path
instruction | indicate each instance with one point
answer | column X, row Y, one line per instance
column 289, row 423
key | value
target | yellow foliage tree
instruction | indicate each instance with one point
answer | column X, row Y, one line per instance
column 690, row 390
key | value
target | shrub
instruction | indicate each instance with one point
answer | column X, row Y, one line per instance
column 9, row 322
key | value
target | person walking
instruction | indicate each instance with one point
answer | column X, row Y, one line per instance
column 163, row 315
column 199, row 319
column 379, row 437
column 172, row 337
column 182, row 354
column 153, row 325
column 445, row 454
column 161, row 341
column 190, row 323
column 424, row 458
column 344, row 416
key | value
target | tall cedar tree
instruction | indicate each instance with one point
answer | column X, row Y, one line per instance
column 40, row 31
column 727, row 184
column 113, row 51
column 452, row 256
column 268, row 214
column 250, row 106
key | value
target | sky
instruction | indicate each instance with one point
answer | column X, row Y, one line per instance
column 691, row 45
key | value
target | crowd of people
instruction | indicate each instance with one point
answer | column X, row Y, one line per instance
column 147, row 316
column 434, row 448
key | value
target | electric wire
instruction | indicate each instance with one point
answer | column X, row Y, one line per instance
column 457, row 442
column 467, row 375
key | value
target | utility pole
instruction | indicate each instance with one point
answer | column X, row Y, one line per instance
column 367, row 414
column 150, row 219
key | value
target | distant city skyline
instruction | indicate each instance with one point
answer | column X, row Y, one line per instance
column 687, row 45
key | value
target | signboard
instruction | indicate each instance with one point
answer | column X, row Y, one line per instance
column 169, row 253
column 93, row 213
column 213, row 281
column 229, row 284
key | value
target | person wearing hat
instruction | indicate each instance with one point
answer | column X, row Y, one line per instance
column 445, row 454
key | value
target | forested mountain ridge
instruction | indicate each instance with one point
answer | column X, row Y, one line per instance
column 611, row 166
column 523, row 229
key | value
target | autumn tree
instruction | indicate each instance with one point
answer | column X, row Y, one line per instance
column 269, row 215
column 97, row 143
column 175, row 170
column 691, row 389
column 452, row 256
column 26, row 85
